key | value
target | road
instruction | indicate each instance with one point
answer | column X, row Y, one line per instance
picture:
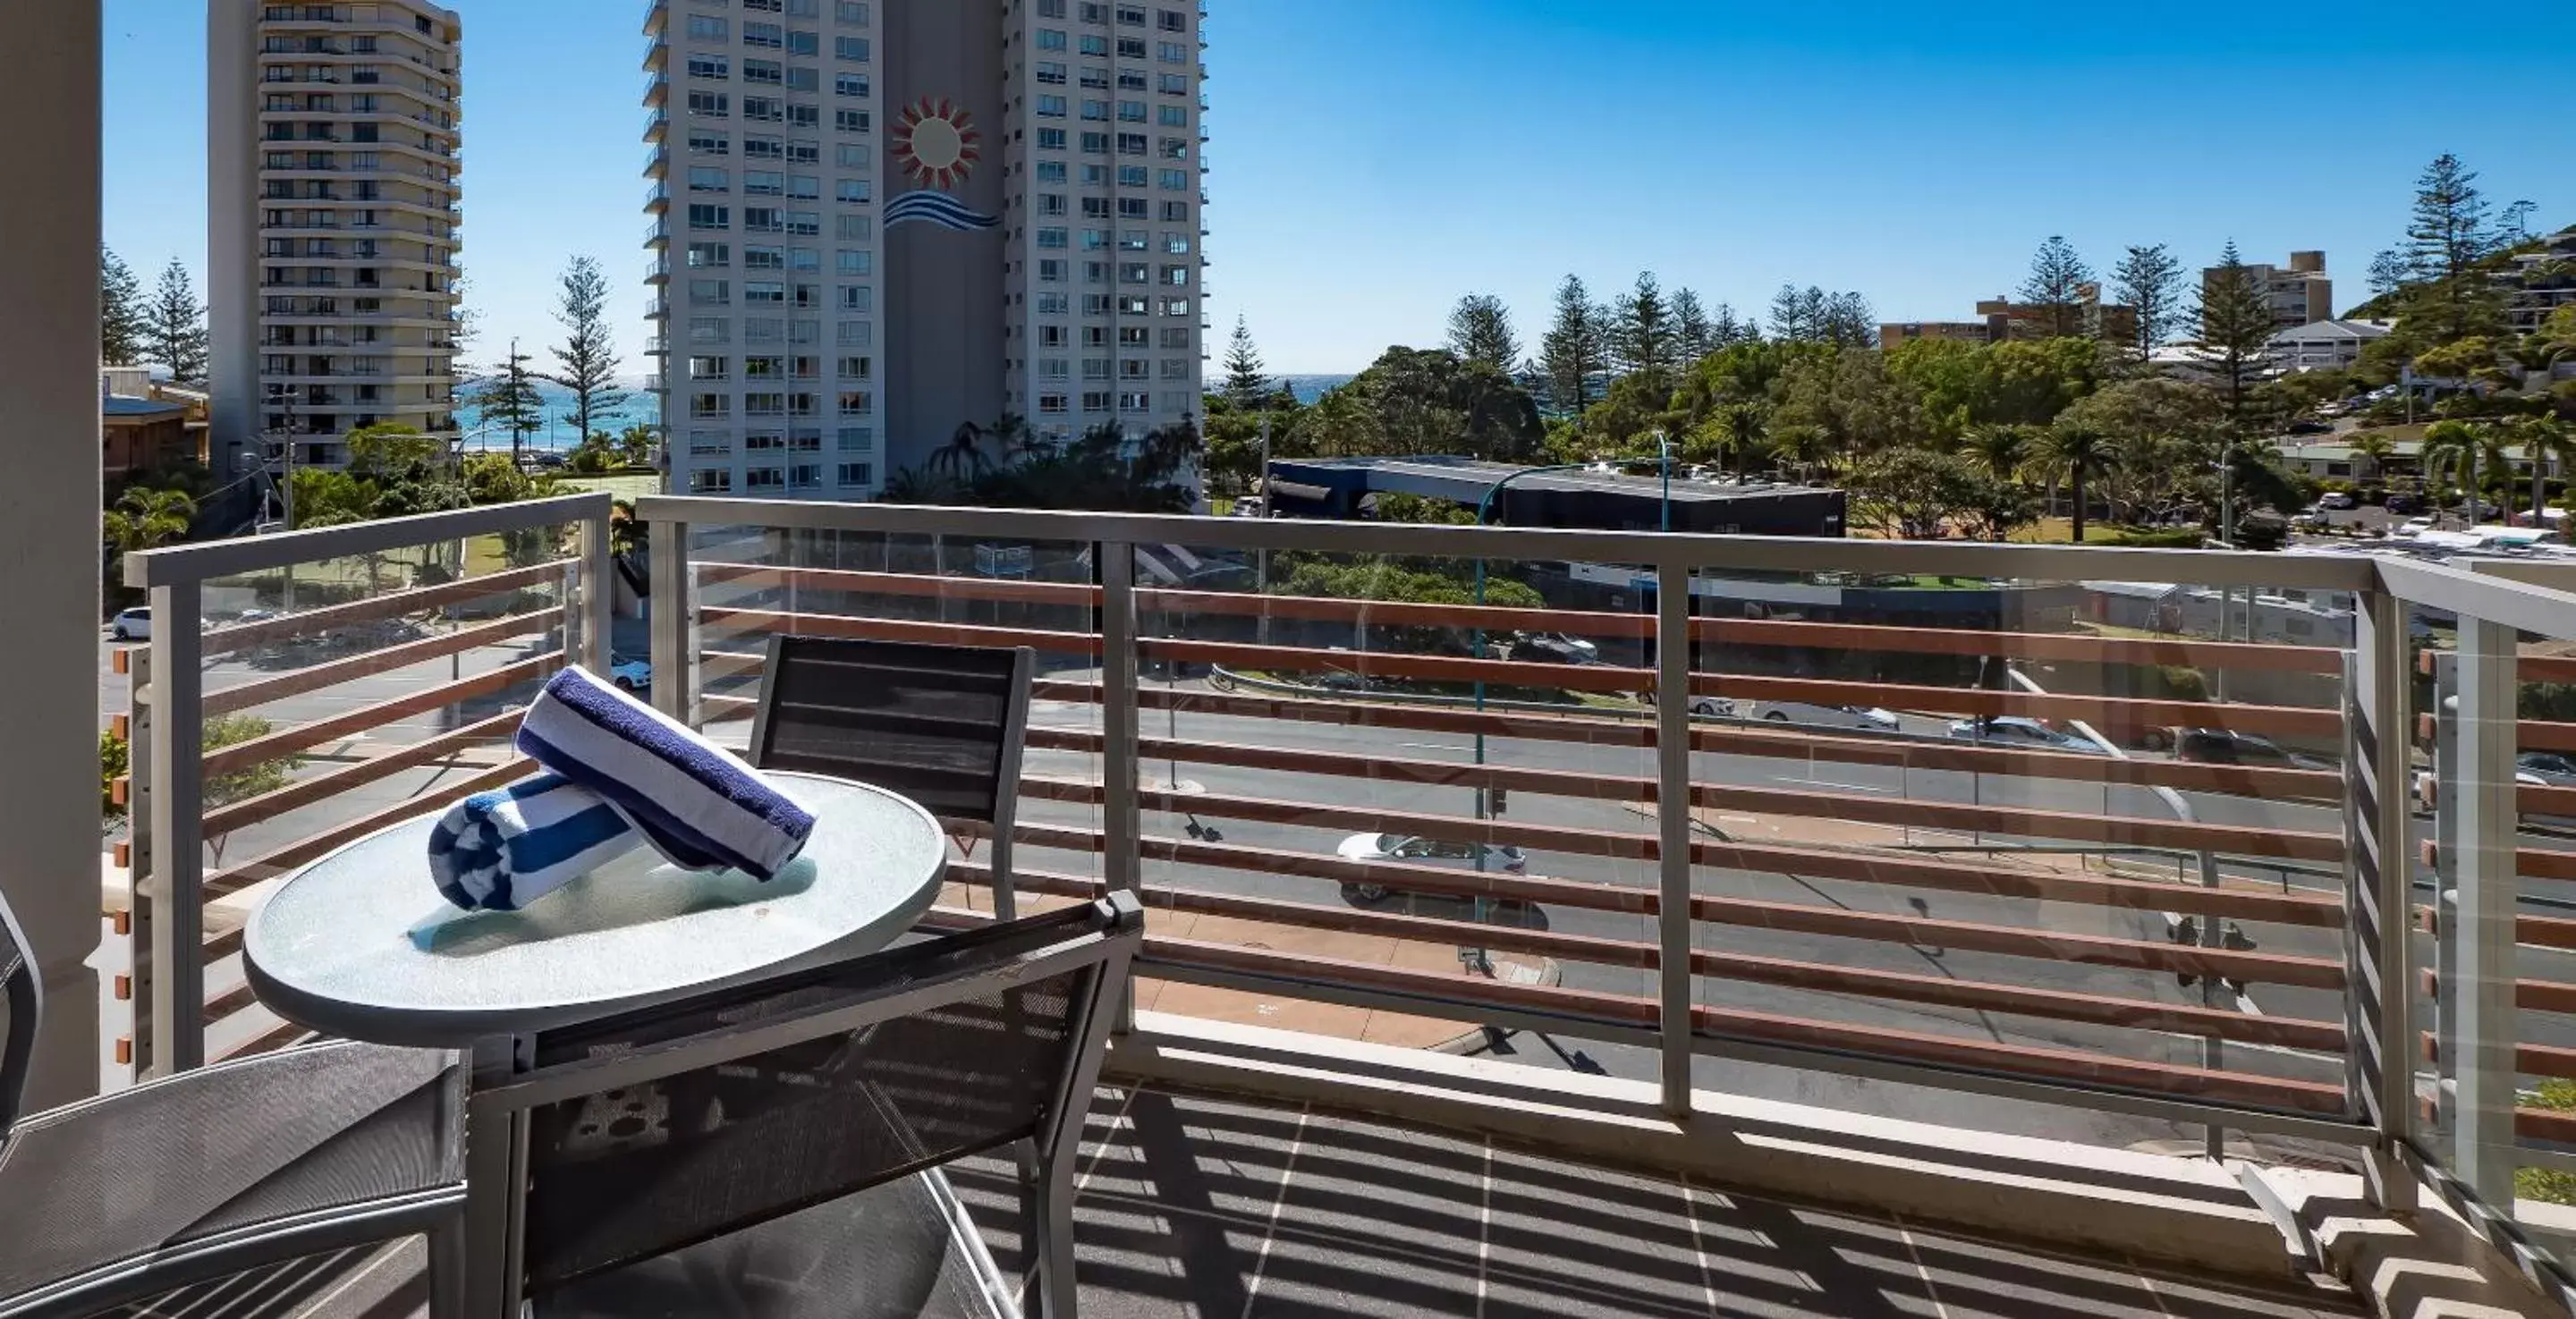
column 1609, row 813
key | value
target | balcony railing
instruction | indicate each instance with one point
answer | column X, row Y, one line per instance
column 2015, row 839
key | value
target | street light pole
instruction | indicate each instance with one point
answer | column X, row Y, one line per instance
column 1484, row 510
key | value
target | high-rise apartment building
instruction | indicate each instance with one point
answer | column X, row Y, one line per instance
column 2300, row 293
column 332, row 223
column 876, row 223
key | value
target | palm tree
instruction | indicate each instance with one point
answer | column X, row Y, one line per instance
column 2002, row 450
column 962, row 458
column 2463, row 447
column 146, row 518
column 1743, row 423
column 2077, row 453
column 1806, row 447
column 2377, row 448
column 2546, row 442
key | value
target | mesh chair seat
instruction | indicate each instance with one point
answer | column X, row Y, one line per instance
column 772, row 1149
column 893, row 1251
column 185, row 1169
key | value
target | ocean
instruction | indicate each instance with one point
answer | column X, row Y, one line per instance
column 558, row 434
column 647, row 408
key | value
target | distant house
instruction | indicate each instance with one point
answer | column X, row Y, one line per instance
column 2326, row 345
column 144, row 435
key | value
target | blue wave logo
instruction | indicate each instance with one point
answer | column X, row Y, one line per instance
column 937, row 208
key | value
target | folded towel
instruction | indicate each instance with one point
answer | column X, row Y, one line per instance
column 699, row 805
column 504, row 849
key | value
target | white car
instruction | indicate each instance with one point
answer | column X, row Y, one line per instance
column 1424, row 852
column 133, row 625
column 1862, row 719
column 2413, row 527
column 2338, row 501
column 2012, row 730
column 631, row 675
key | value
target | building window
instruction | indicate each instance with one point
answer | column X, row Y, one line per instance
column 848, row 262
column 857, row 402
column 760, row 146
column 710, row 368
column 1131, row 15
column 803, row 80
column 769, row 72
column 850, row 84
column 1050, row 38
column 853, row 49
column 1095, row 77
column 710, row 255
column 1173, row 116
column 767, row 35
column 853, row 228
column 709, row 329
column 1132, row 176
column 1094, row 45
column 1172, row 84
column 857, row 368
column 805, row 187
column 1131, row 144
column 1096, row 111
column 1131, row 240
column 710, row 66
column 764, row 478
column 1169, row 52
column 803, row 116
column 853, row 12
column 857, row 474
column 1176, row 212
column 707, row 27
column 1051, row 270
column 710, row 105
column 851, row 191
column 1176, row 306
column 1050, row 139
column 1175, row 336
column 1171, row 20
column 1095, row 400
column 1094, row 240
column 1051, row 203
column 857, row 334
column 1051, row 405
column 1133, row 304
column 1051, row 107
column 710, row 405
column 763, row 290
column 1131, row 112
column 715, row 482
column 1051, row 171
column 1050, row 72
column 1050, row 336
column 1172, row 148
column 710, row 144
column 803, row 43
column 1095, row 144
column 1051, row 238
column 704, row 216
column 710, row 444
column 763, row 183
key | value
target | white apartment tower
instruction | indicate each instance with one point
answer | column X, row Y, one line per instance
column 332, row 223
column 877, row 222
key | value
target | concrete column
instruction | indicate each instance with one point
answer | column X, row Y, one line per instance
column 232, row 232
column 49, row 522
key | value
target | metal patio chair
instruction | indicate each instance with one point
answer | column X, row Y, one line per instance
column 772, row 1151
column 943, row 725
column 249, row 1187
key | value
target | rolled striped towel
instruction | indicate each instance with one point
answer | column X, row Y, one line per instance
column 699, row 805
column 503, row 849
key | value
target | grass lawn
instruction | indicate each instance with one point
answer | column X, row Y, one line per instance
column 2061, row 531
column 621, row 487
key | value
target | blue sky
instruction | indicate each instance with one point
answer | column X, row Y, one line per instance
column 1371, row 160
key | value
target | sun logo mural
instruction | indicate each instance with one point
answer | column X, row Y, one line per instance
column 937, row 143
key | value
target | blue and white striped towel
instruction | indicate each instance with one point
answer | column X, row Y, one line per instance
column 504, row 849
column 699, row 805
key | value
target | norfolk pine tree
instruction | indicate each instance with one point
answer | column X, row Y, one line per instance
column 1480, row 330
column 586, row 360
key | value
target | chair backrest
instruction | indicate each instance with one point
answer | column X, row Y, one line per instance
column 659, row 1130
column 943, row 725
column 223, row 1174
column 22, row 1008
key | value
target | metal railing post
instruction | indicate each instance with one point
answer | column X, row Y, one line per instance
column 2480, row 985
column 1122, row 821
column 1122, row 824
column 672, row 622
column 2379, row 870
column 1673, row 821
column 176, row 893
column 139, row 737
column 598, row 599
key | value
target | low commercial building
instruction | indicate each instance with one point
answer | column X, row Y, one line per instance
column 145, row 435
column 1605, row 501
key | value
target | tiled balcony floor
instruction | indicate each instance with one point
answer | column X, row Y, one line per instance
column 1195, row 1207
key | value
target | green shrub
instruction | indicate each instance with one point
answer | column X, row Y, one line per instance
column 2157, row 538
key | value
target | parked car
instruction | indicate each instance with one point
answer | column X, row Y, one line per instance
column 1870, row 719
column 1554, row 648
column 630, row 674
column 2338, row 501
column 1411, row 850
column 2310, row 428
column 2545, row 769
column 1713, row 707
column 2012, row 730
column 2403, row 503
column 2413, row 527
column 2219, row 746
column 133, row 625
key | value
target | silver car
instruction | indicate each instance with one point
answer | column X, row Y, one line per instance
column 1411, row 850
